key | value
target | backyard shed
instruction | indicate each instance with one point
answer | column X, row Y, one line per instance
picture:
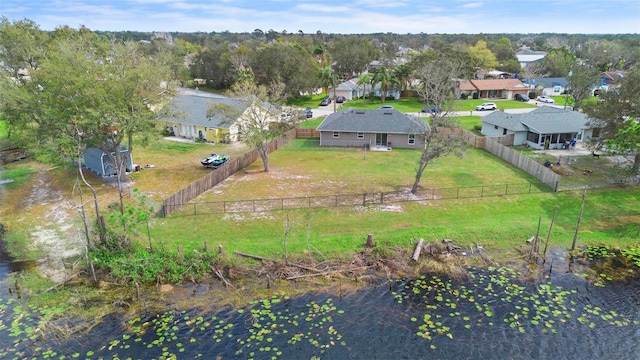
column 100, row 162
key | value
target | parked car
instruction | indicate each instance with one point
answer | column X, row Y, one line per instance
column 326, row 101
column 486, row 106
column 545, row 99
column 521, row 97
column 308, row 113
column 431, row 109
column 340, row 99
column 386, row 107
column 209, row 159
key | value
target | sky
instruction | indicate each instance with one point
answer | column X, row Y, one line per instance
column 342, row 17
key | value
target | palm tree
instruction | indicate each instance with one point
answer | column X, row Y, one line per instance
column 328, row 77
column 402, row 72
column 363, row 80
column 386, row 79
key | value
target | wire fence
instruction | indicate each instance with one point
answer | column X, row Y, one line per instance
column 361, row 199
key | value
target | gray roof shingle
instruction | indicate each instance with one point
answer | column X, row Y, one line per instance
column 192, row 110
column 374, row 121
column 543, row 120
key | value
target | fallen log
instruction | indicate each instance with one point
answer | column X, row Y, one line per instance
column 253, row 256
column 418, row 249
column 325, row 273
column 219, row 275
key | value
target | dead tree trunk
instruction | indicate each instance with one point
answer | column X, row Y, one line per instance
column 418, row 249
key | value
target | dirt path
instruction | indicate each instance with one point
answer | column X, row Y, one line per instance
column 57, row 233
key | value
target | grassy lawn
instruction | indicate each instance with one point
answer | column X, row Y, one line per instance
column 307, row 101
column 176, row 164
column 408, row 105
column 469, row 122
column 611, row 216
column 312, row 123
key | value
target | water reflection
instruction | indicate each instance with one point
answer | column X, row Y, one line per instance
column 496, row 313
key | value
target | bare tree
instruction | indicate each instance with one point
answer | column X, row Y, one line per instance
column 258, row 117
column 439, row 88
column 533, row 71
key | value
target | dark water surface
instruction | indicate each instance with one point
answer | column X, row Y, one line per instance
column 498, row 313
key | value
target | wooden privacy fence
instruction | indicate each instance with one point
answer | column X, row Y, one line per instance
column 362, row 199
column 539, row 171
column 306, row 133
column 216, row 176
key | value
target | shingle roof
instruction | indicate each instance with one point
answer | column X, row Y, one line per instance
column 192, row 110
column 348, row 85
column 379, row 121
column 492, row 84
column 543, row 120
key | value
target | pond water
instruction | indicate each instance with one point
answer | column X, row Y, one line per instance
column 496, row 313
column 8, row 265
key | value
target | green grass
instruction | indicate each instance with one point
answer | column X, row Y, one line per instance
column 313, row 123
column 612, row 216
column 469, row 122
column 501, row 223
column 306, row 101
column 19, row 175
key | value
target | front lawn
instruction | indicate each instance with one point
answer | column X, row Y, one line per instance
column 306, row 101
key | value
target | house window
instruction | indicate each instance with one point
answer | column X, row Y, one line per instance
column 336, row 134
column 595, row 133
column 412, row 139
column 504, row 131
column 360, row 135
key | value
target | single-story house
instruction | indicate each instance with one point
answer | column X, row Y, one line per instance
column 101, row 163
column 493, row 88
column 349, row 89
column 379, row 127
column 527, row 56
column 392, row 91
column 553, row 86
column 545, row 126
column 187, row 117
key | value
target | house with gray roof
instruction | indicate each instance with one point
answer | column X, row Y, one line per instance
column 188, row 116
column 380, row 127
column 550, row 86
column 349, row 89
column 527, row 56
column 544, row 127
